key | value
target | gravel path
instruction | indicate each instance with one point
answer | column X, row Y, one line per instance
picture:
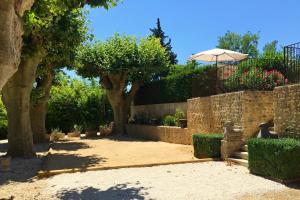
column 201, row 181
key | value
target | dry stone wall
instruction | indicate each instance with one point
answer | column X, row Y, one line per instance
column 287, row 110
column 158, row 110
column 160, row 133
column 245, row 109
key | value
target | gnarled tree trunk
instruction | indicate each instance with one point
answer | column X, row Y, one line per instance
column 120, row 100
column 16, row 97
column 11, row 31
column 39, row 108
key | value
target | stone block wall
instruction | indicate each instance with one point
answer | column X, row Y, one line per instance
column 169, row 134
column 200, row 119
column 158, row 110
column 287, row 110
column 246, row 109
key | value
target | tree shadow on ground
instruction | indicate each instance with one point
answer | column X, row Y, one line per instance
column 119, row 191
column 295, row 185
column 21, row 170
column 39, row 148
column 69, row 146
column 61, row 161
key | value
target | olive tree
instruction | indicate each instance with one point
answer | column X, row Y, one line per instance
column 122, row 64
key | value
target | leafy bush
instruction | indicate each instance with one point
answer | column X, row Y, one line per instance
column 3, row 121
column 207, row 145
column 179, row 114
column 276, row 158
column 169, row 120
column 255, row 79
column 262, row 73
column 77, row 102
column 181, row 84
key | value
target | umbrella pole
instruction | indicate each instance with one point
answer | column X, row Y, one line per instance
column 217, row 79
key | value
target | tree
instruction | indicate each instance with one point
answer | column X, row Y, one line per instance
column 271, row 48
column 165, row 41
column 11, row 31
column 122, row 65
column 246, row 43
column 70, row 32
column 11, row 28
column 39, row 26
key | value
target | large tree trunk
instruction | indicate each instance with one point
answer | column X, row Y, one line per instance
column 11, row 31
column 39, row 108
column 16, row 97
column 120, row 108
column 120, row 100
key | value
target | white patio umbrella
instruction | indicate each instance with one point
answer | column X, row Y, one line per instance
column 219, row 55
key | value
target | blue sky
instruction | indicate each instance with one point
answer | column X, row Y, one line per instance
column 195, row 25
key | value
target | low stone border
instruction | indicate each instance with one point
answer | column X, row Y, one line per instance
column 45, row 174
column 170, row 134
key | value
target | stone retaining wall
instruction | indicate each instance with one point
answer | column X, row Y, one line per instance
column 158, row 110
column 287, row 110
column 246, row 109
column 169, row 134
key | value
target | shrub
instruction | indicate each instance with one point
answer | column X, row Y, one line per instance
column 77, row 102
column 207, row 145
column 3, row 121
column 179, row 86
column 179, row 114
column 169, row 120
column 276, row 158
column 255, row 79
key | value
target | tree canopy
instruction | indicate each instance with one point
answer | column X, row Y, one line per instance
column 247, row 43
column 122, row 63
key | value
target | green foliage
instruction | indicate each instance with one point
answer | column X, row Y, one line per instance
column 255, row 79
column 157, row 32
column 76, row 102
column 179, row 114
column 123, row 54
column 207, row 145
column 183, row 82
column 3, row 121
column 169, row 120
column 276, row 158
column 246, row 43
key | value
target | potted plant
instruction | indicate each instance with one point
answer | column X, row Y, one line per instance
column 180, row 118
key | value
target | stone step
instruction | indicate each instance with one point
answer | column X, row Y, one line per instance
column 244, row 148
column 241, row 155
column 239, row 161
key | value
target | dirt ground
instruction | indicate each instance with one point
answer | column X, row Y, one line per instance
column 113, row 152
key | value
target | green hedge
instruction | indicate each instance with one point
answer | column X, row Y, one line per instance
column 276, row 158
column 178, row 87
column 207, row 145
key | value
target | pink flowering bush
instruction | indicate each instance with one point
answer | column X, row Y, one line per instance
column 255, row 79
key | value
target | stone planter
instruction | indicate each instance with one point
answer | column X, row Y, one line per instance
column 183, row 123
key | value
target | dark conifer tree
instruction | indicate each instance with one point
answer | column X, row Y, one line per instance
column 165, row 41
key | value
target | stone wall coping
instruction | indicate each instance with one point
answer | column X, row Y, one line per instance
column 183, row 102
column 169, row 127
column 287, row 86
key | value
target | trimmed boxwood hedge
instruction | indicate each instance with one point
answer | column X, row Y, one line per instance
column 275, row 158
column 207, row 145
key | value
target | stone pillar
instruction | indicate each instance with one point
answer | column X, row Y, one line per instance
column 232, row 142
